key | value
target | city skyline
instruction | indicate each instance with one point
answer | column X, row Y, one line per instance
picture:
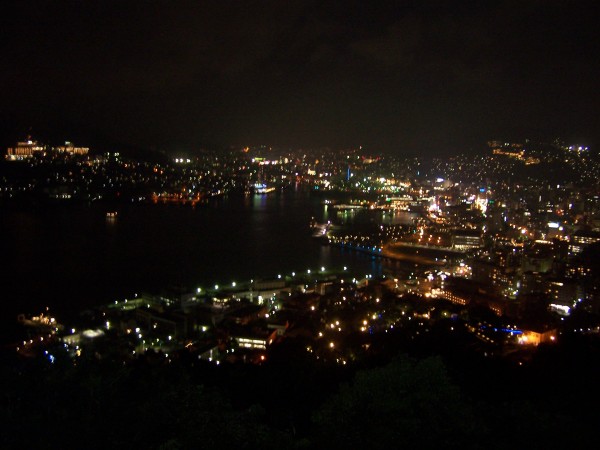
column 423, row 77
column 472, row 280
column 302, row 224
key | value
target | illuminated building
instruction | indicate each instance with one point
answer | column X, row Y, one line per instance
column 29, row 148
column 24, row 150
column 466, row 240
column 581, row 239
column 564, row 294
column 535, row 336
column 452, row 297
column 71, row 149
column 253, row 338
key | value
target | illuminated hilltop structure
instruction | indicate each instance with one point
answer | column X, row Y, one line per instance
column 27, row 149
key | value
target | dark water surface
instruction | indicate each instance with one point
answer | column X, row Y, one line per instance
column 70, row 257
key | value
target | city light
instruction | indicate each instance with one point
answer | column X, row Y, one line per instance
column 459, row 234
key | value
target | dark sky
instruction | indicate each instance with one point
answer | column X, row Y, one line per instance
column 405, row 76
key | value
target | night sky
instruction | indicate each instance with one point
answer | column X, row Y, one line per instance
column 407, row 76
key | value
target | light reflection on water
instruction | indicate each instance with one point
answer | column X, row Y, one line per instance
column 72, row 257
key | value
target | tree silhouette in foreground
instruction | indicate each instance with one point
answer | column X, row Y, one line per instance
column 405, row 404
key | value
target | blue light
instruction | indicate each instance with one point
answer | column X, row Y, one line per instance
column 508, row 330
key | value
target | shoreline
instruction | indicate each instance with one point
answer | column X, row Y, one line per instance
column 398, row 252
